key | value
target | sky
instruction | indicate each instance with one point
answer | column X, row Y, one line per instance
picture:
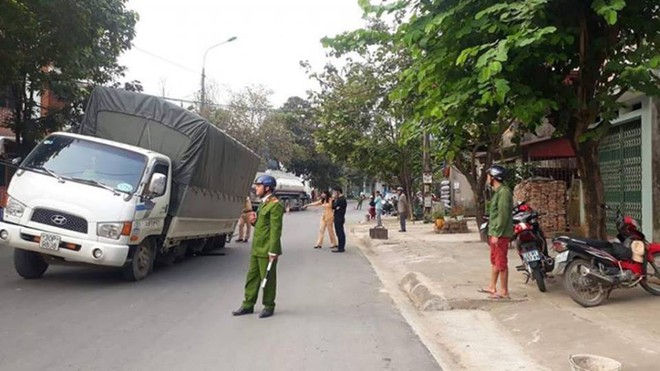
column 272, row 37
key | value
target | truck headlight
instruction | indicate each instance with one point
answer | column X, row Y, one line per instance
column 14, row 208
column 114, row 230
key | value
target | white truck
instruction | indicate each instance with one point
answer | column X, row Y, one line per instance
column 143, row 180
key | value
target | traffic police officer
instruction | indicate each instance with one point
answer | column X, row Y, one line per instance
column 266, row 247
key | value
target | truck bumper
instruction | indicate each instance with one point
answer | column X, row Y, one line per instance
column 71, row 249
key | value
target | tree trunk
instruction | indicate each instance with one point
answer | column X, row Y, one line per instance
column 592, row 186
column 477, row 180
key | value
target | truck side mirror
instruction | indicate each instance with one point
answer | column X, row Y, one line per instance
column 16, row 161
column 157, row 185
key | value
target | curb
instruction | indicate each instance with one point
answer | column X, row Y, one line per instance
column 420, row 294
column 411, row 284
column 426, row 296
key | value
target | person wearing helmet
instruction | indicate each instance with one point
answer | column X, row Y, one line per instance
column 500, row 231
column 266, row 247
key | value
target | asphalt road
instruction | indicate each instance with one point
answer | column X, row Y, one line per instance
column 332, row 314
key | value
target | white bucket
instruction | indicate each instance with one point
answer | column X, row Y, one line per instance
column 589, row 362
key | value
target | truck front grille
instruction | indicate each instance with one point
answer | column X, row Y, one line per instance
column 59, row 219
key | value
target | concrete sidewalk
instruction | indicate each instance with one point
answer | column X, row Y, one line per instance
column 434, row 279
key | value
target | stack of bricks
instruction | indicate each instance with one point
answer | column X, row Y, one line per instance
column 453, row 226
column 548, row 198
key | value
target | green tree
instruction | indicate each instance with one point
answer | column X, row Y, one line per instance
column 61, row 46
column 306, row 161
column 360, row 125
column 250, row 118
column 570, row 60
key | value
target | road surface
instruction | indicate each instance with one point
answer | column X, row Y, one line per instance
column 332, row 314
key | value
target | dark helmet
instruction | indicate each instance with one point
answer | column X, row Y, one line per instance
column 266, row 180
column 497, row 172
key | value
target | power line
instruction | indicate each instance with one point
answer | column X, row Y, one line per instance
column 229, row 106
column 165, row 59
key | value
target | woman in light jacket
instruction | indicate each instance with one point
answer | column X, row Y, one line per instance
column 327, row 219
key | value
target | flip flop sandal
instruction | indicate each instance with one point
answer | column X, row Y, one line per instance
column 484, row 291
column 498, row 297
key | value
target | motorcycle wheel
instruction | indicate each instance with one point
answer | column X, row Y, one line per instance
column 651, row 282
column 538, row 277
column 582, row 290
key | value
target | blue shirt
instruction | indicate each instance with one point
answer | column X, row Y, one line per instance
column 379, row 203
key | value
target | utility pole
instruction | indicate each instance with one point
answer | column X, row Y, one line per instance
column 427, row 175
column 202, row 104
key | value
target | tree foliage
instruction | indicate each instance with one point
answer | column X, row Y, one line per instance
column 61, row 46
column 359, row 124
column 477, row 64
column 283, row 137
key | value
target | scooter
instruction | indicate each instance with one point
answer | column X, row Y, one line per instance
column 531, row 245
column 593, row 268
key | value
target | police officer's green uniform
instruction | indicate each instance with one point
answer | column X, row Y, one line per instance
column 265, row 241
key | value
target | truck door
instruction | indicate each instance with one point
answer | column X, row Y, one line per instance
column 151, row 210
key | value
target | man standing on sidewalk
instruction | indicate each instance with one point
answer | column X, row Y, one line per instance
column 340, row 218
column 379, row 209
column 266, row 247
column 402, row 208
column 500, row 231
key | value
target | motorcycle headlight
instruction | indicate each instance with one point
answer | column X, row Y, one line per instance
column 14, row 208
column 113, row 230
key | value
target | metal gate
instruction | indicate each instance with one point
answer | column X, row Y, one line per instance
column 620, row 158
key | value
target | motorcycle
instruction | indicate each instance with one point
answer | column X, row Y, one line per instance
column 530, row 243
column 593, row 268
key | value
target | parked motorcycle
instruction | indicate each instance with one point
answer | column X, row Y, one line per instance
column 593, row 268
column 530, row 243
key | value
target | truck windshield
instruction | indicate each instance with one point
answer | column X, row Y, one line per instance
column 89, row 162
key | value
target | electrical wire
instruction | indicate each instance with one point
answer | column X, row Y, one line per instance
column 164, row 59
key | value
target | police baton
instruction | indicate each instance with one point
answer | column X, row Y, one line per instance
column 263, row 283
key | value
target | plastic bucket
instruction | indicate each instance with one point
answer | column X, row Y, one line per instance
column 589, row 362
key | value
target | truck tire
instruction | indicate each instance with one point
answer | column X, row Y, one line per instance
column 29, row 264
column 141, row 261
column 215, row 243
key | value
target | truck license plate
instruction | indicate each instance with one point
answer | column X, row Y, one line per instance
column 531, row 256
column 50, row 241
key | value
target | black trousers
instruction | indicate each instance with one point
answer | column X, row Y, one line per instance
column 341, row 235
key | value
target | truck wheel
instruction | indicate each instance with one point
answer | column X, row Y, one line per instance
column 29, row 264
column 215, row 243
column 141, row 263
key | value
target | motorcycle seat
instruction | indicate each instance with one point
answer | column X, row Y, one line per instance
column 615, row 249
column 598, row 244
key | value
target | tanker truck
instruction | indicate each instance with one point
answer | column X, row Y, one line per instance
column 290, row 189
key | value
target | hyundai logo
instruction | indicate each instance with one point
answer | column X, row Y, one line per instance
column 58, row 219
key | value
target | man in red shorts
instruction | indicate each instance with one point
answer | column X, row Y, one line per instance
column 500, row 231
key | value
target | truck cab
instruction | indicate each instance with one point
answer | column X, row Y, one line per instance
column 84, row 200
